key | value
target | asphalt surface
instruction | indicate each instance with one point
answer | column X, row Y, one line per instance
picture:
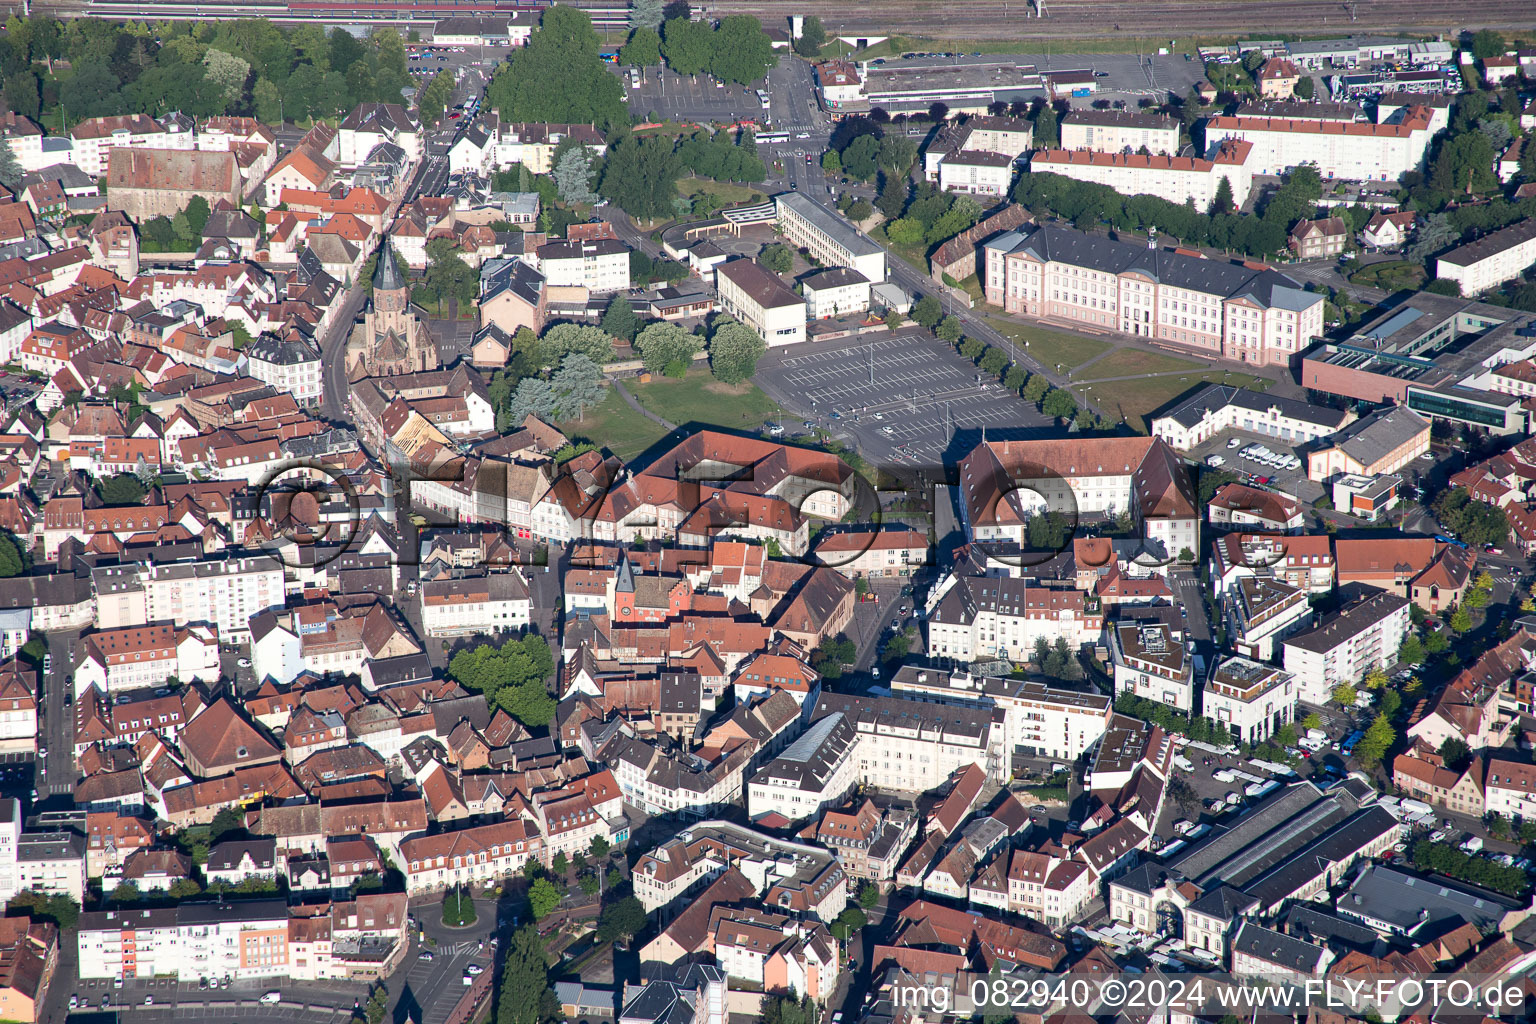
column 901, row 394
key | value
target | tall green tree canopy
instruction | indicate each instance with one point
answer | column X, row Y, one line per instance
column 559, row 77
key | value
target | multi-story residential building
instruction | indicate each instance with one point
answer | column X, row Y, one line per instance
column 245, row 939
column 10, row 843
column 51, row 861
column 1509, row 790
column 480, row 854
column 1489, row 261
column 1261, row 611
column 814, row 772
column 786, row 875
column 976, row 172
column 1275, row 956
column 871, row 554
column 1421, row 774
column 25, row 138
column 225, row 593
column 827, row 236
column 289, row 362
column 1003, row 483
column 986, row 617
column 1315, row 239
column 145, row 656
column 1039, row 720
column 1363, row 635
column 1252, row 700
column 760, row 299
column 1352, row 150
column 1178, row 179
column 489, row 603
column 913, row 746
column 1045, row 886
column 600, row 265
column 1120, row 131
column 834, row 292
column 1232, row 310
column 96, row 137
column 868, row 841
column 1252, row 508
column 1151, row 663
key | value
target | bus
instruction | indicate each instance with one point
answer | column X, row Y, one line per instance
column 763, row 137
column 762, row 97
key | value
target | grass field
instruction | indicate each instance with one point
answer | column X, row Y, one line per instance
column 1051, row 347
column 699, row 398
column 728, row 191
column 616, row 427
column 1134, row 400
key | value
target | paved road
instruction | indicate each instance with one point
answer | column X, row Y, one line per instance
column 57, row 728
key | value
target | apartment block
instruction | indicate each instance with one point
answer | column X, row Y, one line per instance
column 1178, row 179
column 914, row 746
column 1250, row 699
column 1356, row 151
column 245, row 939
column 1151, row 663
column 1489, row 261
column 489, row 603
column 985, row 617
column 1120, row 131
column 225, row 593
column 1343, row 647
column 813, row 773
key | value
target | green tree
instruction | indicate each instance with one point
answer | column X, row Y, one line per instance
column 123, row 489
column 1412, row 651
column 646, row 14
column 906, row 231
column 573, row 177
column 831, row 161
column 525, row 994
column 734, row 349
column 993, row 361
column 812, row 37
column 860, row 159
column 1222, row 201
column 1345, row 694
column 643, row 49
column 927, row 312
column 1059, row 403
column 686, row 45
column 13, row 554
column 621, row 920
column 561, row 340
column 777, row 257
column 578, row 385
column 10, row 168
column 1378, row 739
column 620, row 320
column 950, row 329
column 1461, row 620
column 869, row 894
column 543, row 898
column 448, row 277
column 741, row 51
column 1486, row 43
column 1455, row 753
column 1304, row 87
column 432, row 101
column 860, row 211
column 640, row 175
column 662, row 345
column 848, row 922
column 559, row 864
column 896, row 154
column 1047, row 132
column 600, row 847
column 558, row 76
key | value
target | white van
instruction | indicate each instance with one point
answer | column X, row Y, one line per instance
column 272, row 998
column 1184, row 763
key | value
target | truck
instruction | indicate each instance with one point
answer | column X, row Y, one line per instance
column 1472, row 845
column 1260, row 790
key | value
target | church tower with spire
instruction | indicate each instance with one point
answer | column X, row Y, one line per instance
column 392, row 339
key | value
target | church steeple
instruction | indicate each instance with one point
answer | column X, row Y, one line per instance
column 386, row 274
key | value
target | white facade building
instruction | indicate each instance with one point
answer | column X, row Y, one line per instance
column 1345, row 646
column 1152, row 663
column 491, row 603
column 244, row 939
column 828, row 237
column 762, row 301
column 1252, row 700
column 224, row 593
column 1178, row 179
column 1491, row 260
column 1356, row 151
column 814, row 772
column 834, row 292
column 1120, row 131
column 598, row 265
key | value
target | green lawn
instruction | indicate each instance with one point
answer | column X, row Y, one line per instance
column 699, row 398
column 1051, row 347
column 1131, row 362
column 730, row 192
column 616, row 427
column 1134, row 400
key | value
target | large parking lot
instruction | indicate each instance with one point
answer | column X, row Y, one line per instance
column 903, row 395
column 683, row 98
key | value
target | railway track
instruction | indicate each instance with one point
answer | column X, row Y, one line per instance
column 1082, row 19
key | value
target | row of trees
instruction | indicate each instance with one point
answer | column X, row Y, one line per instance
column 1089, row 206
column 737, row 50
column 249, row 66
column 640, row 172
column 1448, row 860
column 559, row 77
